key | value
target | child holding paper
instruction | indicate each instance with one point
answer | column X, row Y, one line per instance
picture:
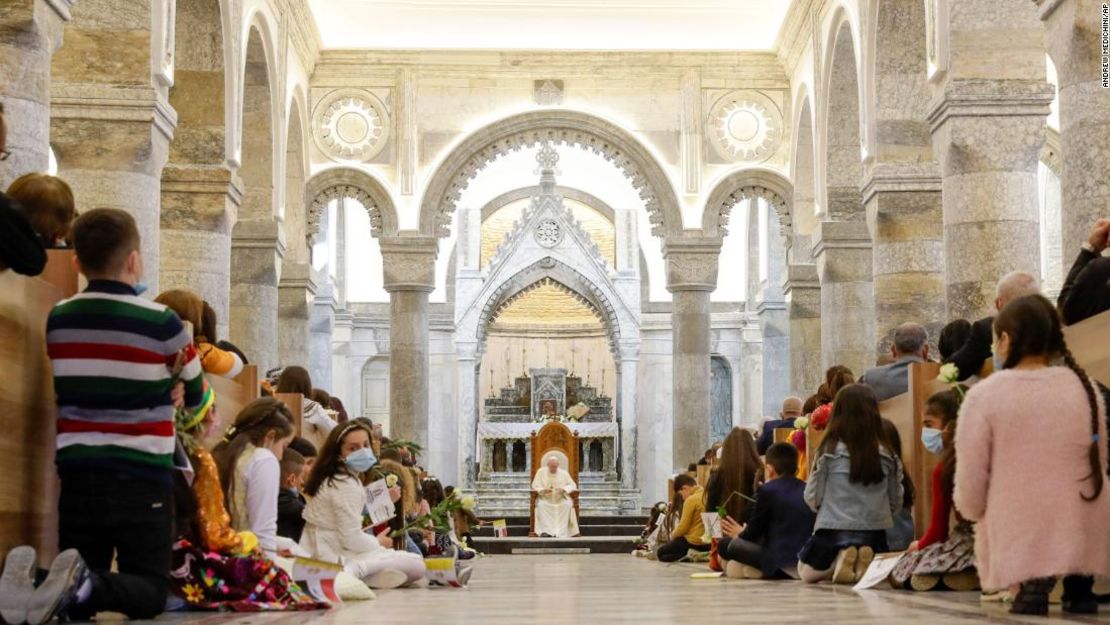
column 333, row 517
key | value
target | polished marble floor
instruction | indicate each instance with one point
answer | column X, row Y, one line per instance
column 615, row 589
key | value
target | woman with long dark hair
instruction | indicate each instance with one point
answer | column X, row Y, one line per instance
column 732, row 483
column 855, row 489
column 333, row 517
column 1031, row 440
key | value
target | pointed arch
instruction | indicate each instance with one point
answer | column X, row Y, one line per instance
column 336, row 182
column 566, row 278
column 561, row 126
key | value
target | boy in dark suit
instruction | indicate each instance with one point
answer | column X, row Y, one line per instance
column 781, row 523
column 290, row 503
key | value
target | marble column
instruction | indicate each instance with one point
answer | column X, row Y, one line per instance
column 842, row 250
column 904, row 217
column 1073, row 37
column 803, row 305
column 774, row 321
column 199, row 206
column 988, row 136
column 627, row 375
column 257, row 247
column 321, row 326
column 987, row 118
column 33, row 32
column 110, row 120
column 409, row 276
column 691, row 277
column 296, row 299
column 467, row 384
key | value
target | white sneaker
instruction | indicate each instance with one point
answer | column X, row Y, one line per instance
column 17, row 584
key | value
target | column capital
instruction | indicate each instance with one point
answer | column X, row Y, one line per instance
column 692, row 263
column 409, row 263
column 298, row 276
column 112, row 103
column 990, row 98
column 831, row 235
column 883, row 177
column 258, row 234
column 629, row 350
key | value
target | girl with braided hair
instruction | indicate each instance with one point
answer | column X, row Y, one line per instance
column 1031, row 440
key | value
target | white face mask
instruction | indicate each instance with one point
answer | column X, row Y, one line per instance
column 720, row 452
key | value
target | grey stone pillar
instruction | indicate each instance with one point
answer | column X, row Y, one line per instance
column 842, row 250
column 257, row 247
column 199, row 205
column 691, row 277
column 774, row 321
column 1073, row 36
column 321, row 325
column 988, row 136
column 296, row 299
column 904, row 216
column 803, row 304
column 33, row 31
column 409, row 276
column 467, row 383
column 627, row 376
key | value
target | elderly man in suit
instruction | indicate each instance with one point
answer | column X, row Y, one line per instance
column 791, row 409
column 911, row 344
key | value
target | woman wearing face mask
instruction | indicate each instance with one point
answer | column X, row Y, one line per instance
column 214, row 567
column 333, row 518
column 945, row 556
column 251, row 473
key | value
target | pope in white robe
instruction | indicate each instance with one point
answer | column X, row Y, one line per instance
column 554, row 506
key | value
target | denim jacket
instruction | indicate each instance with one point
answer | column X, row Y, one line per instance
column 842, row 505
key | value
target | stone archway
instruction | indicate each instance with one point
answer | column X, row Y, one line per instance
column 348, row 182
column 566, row 127
column 742, row 185
column 201, row 194
column 257, row 242
column 842, row 247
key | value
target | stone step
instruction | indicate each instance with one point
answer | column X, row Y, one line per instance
column 528, row 546
column 587, row 530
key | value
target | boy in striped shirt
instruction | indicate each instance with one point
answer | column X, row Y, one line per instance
column 119, row 361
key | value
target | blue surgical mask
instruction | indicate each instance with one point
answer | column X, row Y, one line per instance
column 296, row 491
column 998, row 361
column 361, row 460
column 933, row 440
column 140, row 288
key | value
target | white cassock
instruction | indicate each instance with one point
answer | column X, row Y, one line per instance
column 555, row 510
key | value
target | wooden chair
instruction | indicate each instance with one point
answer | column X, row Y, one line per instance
column 295, row 403
column 553, row 439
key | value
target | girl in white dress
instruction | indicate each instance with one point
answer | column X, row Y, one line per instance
column 333, row 517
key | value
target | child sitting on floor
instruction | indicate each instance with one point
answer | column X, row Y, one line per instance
column 291, row 505
column 780, row 523
column 855, row 488
column 689, row 534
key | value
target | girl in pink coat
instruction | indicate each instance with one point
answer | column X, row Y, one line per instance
column 1031, row 440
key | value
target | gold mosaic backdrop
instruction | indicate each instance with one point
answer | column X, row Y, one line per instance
column 549, row 306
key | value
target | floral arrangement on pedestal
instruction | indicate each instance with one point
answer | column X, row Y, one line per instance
column 558, row 418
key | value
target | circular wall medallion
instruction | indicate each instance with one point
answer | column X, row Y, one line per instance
column 745, row 126
column 549, row 233
column 351, row 125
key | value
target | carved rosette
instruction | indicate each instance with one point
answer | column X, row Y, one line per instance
column 350, row 125
column 744, row 127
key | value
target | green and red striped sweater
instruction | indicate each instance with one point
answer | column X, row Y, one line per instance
column 113, row 355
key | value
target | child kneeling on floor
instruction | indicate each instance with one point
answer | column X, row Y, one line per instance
column 855, row 488
column 689, row 534
column 780, row 523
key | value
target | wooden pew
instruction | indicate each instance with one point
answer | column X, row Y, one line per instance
column 232, row 394
column 1089, row 342
column 295, row 403
column 782, row 435
column 907, row 411
column 28, row 481
column 702, row 475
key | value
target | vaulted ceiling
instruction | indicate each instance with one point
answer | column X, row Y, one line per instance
column 551, row 24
